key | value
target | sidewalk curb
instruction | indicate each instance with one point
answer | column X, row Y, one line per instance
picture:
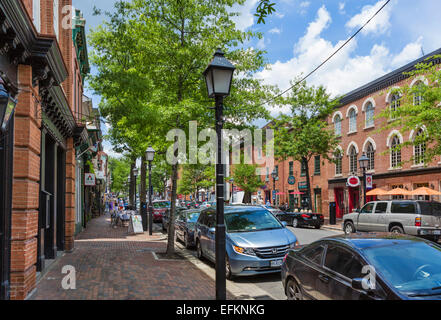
column 333, row 228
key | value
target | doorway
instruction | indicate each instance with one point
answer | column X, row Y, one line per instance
column 318, row 200
column 354, row 199
column 339, row 202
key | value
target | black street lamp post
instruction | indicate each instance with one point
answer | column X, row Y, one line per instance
column 275, row 178
column 232, row 190
column 150, row 156
column 363, row 161
column 218, row 78
column 135, row 174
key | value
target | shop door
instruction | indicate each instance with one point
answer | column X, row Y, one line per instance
column 292, row 204
column 339, row 202
column 318, row 201
column 354, row 199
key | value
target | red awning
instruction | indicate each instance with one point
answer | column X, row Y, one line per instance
column 297, row 193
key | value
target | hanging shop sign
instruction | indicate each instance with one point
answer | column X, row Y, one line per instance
column 353, row 181
column 100, row 175
column 291, row 180
column 369, row 181
column 303, row 185
column 89, row 180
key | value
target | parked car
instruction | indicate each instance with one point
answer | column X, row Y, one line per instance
column 159, row 208
column 185, row 226
column 166, row 217
column 208, row 204
column 403, row 267
column 256, row 241
column 414, row 217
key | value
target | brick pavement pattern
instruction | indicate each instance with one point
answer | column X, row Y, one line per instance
column 112, row 265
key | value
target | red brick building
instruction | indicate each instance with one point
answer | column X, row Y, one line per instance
column 38, row 64
column 354, row 121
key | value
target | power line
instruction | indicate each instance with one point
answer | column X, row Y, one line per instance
column 327, row 59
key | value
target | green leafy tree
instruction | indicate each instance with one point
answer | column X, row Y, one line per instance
column 303, row 133
column 245, row 177
column 120, row 170
column 419, row 108
column 194, row 178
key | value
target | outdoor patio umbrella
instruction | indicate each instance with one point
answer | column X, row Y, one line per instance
column 296, row 193
column 399, row 192
column 424, row 191
column 376, row 192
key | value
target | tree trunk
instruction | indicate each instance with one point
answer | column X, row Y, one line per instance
column 171, row 228
column 308, row 183
column 132, row 183
column 247, row 197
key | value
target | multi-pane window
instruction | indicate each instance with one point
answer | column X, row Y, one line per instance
column 317, row 165
column 303, row 169
column 36, row 14
column 417, row 96
column 419, row 149
column 56, row 17
column 338, row 162
column 395, row 157
column 352, row 120
column 369, row 115
column 291, row 169
column 337, row 125
column 394, row 104
column 370, row 153
column 353, row 160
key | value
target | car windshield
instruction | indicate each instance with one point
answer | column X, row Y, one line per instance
column 412, row 268
column 162, row 204
column 251, row 220
column 193, row 217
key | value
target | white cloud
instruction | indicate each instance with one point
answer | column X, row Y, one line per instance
column 279, row 15
column 345, row 72
column 410, row 52
column 341, row 7
column 304, row 6
column 261, row 44
column 379, row 24
column 275, row 30
column 246, row 17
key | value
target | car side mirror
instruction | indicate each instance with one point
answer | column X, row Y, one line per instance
column 361, row 284
column 285, row 224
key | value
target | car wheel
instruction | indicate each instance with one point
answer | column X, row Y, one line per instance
column 293, row 290
column 199, row 252
column 228, row 274
column 295, row 223
column 349, row 228
column 318, row 226
column 397, row 229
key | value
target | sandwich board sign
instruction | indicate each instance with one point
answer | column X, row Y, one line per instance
column 89, row 180
column 135, row 224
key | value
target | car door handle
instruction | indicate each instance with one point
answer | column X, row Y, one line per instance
column 323, row 278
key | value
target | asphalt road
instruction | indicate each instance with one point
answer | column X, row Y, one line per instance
column 272, row 283
column 268, row 287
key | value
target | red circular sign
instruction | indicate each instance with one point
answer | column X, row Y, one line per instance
column 353, row 181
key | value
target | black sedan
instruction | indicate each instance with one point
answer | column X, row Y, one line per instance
column 166, row 217
column 300, row 219
column 185, row 226
column 364, row 266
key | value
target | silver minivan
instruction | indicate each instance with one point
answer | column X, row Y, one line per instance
column 414, row 217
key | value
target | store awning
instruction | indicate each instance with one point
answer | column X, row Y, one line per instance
column 297, row 193
column 399, row 192
column 376, row 192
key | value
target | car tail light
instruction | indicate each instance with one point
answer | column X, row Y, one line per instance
column 305, row 216
column 322, row 216
column 418, row 222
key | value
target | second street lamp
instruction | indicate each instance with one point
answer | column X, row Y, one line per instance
column 150, row 156
column 135, row 174
column 364, row 161
column 218, row 77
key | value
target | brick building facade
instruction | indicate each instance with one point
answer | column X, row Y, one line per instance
column 40, row 66
column 354, row 121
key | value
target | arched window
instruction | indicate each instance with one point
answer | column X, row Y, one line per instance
column 419, row 149
column 338, row 163
column 369, row 115
column 353, row 160
column 370, row 153
column 395, row 155
column 352, row 120
column 337, row 125
column 395, row 104
column 418, row 94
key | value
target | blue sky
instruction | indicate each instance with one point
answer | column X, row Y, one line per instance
column 302, row 33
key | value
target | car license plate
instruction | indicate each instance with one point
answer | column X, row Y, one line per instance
column 276, row 263
column 437, row 232
column 314, row 218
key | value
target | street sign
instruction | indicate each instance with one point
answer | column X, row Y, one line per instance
column 353, row 181
column 100, row 175
column 274, row 195
column 135, row 224
column 89, row 180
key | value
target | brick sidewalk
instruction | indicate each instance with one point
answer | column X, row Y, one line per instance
column 111, row 265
